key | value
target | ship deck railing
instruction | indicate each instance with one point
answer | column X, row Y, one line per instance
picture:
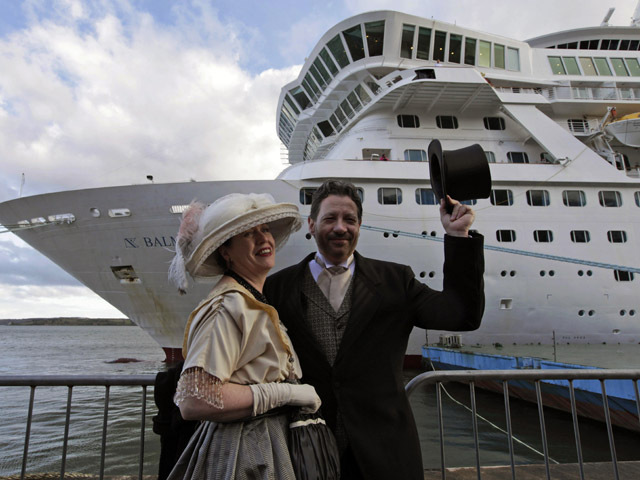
column 578, row 92
column 436, row 379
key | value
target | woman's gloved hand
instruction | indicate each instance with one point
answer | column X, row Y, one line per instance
column 267, row 396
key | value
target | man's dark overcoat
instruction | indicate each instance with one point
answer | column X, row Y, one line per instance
column 365, row 382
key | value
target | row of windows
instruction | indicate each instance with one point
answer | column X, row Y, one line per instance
column 621, row 67
column 604, row 44
column 577, row 236
column 423, row 43
column 449, row 122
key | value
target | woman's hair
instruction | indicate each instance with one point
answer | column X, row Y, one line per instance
column 335, row 187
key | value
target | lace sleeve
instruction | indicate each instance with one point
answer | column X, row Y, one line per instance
column 195, row 382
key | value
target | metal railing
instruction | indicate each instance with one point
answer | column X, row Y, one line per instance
column 536, row 376
column 472, row 377
column 71, row 381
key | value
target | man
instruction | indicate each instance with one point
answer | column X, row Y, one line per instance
column 351, row 336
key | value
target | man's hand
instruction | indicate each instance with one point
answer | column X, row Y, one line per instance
column 459, row 221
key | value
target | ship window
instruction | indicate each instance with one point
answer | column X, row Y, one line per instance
column 602, row 66
column 634, row 66
column 353, row 37
column 634, row 45
column 337, row 49
column 613, row 44
column 306, row 195
column 447, row 122
column 636, row 196
column 484, row 54
column 317, row 63
column 580, row 236
column 328, row 61
column 119, row 212
column 501, row 198
column 334, row 121
column 513, row 59
column 362, row 94
column 546, row 157
column 469, row 51
column 610, row 198
column 593, row 44
column 623, row 276
column 426, row 196
column 406, row 43
column 578, row 125
column 543, row 236
column 389, row 196
column 624, row 45
column 301, row 97
column 491, row 157
column 506, row 235
column 574, row 198
column 125, row 274
column 617, row 236
column 326, row 128
column 619, row 68
column 518, row 157
column 178, row 208
column 498, row 52
column 587, row 66
column 571, row 65
column 408, row 121
column 439, row 44
column 604, row 44
column 317, row 77
column 424, row 43
column 494, row 123
column 415, row 155
column 311, row 86
column 556, row 66
column 375, row 37
column 373, row 86
column 340, row 116
column 354, row 102
column 347, row 108
column 538, row 198
column 455, row 48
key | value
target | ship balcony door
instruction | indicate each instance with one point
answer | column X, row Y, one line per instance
column 376, row 154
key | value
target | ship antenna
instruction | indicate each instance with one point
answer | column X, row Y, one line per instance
column 605, row 20
column 21, row 185
column 635, row 20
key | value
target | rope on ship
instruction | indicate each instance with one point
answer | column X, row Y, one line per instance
column 513, row 251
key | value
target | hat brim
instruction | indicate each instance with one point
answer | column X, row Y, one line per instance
column 283, row 220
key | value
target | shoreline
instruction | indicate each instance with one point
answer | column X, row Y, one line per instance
column 68, row 321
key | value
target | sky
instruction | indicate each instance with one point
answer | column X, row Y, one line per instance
column 105, row 92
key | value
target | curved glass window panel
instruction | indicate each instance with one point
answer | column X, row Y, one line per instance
column 518, row 157
column 571, row 65
column 346, row 108
column 300, row 97
column 588, row 68
column 484, row 54
column 291, row 105
column 455, row 48
column 335, row 123
column 341, row 118
column 311, row 87
column 543, row 236
column 610, row 198
column 426, row 196
column 617, row 236
column 439, row 45
column 320, row 81
column 338, row 51
column 556, row 66
column 353, row 37
column 538, row 198
column 469, row 51
column 317, row 63
column 328, row 61
column 326, row 128
column 580, row 236
column 506, row 235
column 424, row 43
column 636, row 196
column 619, row 67
column 415, row 155
column 574, row 198
column 389, row 196
column 633, row 66
column 373, row 85
column 501, row 198
column 362, row 94
column 491, row 157
column 375, row 37
column 354, row 102
column 406, row 42
column 513, row 59
column 498, row 53
column 602, row 66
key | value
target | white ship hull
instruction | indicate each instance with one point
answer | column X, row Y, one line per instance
column 577, row 282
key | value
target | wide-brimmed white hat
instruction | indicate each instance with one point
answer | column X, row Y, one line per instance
column 204, row 229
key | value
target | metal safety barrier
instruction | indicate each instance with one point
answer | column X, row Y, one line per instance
column 472, row 377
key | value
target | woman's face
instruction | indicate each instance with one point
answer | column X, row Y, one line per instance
column 251, row 253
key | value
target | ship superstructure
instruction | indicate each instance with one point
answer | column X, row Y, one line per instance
column 561, row 226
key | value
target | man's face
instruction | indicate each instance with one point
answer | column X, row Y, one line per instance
column 336, row 229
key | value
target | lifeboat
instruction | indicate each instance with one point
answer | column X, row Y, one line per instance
column 626, row 129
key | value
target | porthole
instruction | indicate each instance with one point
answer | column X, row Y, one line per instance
column 623, row 313
column 308, row 236
column 503, row 273
column 552, row 273
column 423, row 274
column 632, row 312
column 433, row 233
column 395, row 235
column 592, row 313
column 542, row 273
column 581, row 313
column 589, row 273
column 424, row 233
column 432, row 274
column 512, row 273
column 385, row 234
column 580, row 273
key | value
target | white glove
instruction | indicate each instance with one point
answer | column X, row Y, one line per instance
column 267, row 396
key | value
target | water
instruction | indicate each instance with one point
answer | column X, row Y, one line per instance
column 50, row 350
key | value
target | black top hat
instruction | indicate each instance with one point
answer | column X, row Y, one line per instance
column 462, row 174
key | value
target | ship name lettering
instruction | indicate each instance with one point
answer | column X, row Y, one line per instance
column 130, row 243
column 159, row 241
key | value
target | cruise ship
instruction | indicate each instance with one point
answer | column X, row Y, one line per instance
column 556, row 115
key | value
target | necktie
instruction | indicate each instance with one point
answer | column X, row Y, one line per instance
column 333, row 282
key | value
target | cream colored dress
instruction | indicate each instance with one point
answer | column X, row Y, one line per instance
column 235, row 338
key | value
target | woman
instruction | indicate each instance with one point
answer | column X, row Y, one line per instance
column 238, row 357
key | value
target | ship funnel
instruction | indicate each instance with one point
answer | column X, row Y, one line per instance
column 462, row 174
column 605, row 20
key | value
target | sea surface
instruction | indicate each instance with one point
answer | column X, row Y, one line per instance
column 89, row 350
